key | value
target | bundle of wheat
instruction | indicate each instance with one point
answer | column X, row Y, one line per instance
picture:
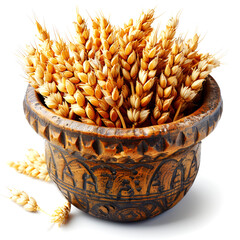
column 118, row 77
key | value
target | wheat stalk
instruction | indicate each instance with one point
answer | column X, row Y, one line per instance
column 83, row 35
column 142, row 28
column 94, row 93
column 61, row 214
column 130, row 44
column 194, row 81
column 35, row 167
column 166, row 39
column 163, row 101
column 22, row 198
column 129, row 60
column 117, row 77
column 190, row 53
column 143, row 25
column 49, row 65
column 166, row 87
column 34, row 157
column 31, row 170
column 142, row 95
column 96, row 33
column 112, row 89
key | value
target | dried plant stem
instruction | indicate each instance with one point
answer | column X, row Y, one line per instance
column 121, row 117
column 178, row 111
column 132, row 88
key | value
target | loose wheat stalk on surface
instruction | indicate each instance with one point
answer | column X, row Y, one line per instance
column 35, row 166
column 130, row 76
column 23, row 199
column 61, row 214
column 32, row 168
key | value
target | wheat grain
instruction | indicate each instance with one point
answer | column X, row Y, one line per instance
column 80, row 111
column 62, row 110
column 47, row 88
column 53, row 100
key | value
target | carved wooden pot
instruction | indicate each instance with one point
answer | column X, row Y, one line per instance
column 124, row 174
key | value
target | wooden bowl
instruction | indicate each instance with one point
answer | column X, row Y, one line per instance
column 124, row 174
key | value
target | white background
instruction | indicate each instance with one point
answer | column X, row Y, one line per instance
column 210, row 209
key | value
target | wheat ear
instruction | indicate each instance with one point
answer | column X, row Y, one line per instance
column 22, row 198
column 143, row 25
column 166, row 40
column 61, row 214
column 96, row 33
column 35, row 167
column 30, row 170
column 114, row 83
column 190, row 53
column 48, row 69
column 194, row 81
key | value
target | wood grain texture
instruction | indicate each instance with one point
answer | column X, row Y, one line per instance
column 124, row 174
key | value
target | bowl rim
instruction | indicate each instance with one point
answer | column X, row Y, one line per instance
column 212, row 101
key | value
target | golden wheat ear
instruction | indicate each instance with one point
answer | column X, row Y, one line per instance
column 35, row 166
column 61, row 214
column 22, row 199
